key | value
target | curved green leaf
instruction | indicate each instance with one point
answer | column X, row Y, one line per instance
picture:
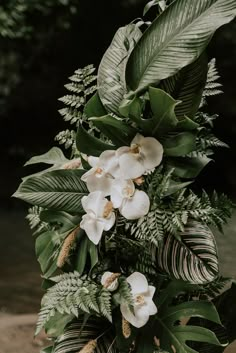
column 188, row 167
column 90, row 145
column 111, row 80
column 94, row 107
column 187, row 86
column 194, row 258
column 179, row 144
column 59, row 190
column 169, row 326
column 78, row 334
column 116, row 130
column 175, row 39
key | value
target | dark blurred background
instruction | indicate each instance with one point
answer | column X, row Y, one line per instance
column 41, row 44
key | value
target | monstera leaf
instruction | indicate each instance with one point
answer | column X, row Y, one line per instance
column 175, row 39
column 171, row 322
column 60, row 190
column 77, row 334
column 111, row 80
column 194, row 258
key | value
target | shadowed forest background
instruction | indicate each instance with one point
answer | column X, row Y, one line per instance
column 41, row 44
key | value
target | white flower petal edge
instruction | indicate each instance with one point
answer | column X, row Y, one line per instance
column 99, row 215
column 144, row 154
column 112, row 286
column 136, row 206
column 143, row 303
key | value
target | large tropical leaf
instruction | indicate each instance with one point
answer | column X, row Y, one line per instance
column 60, row 190
column 175, row 39
column 194, row 258
column 77, row 335
column 171, row 325
column 111, row 80
column 187, row 86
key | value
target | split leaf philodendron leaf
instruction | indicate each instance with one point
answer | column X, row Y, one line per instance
column 179, row 144
column 116, row 130
column 171, row 324
column 111, row 72
column 188, row 86
column 58, row 190
column 54, row 156
column 90, row 145
column 175, row 39
column 194, row 258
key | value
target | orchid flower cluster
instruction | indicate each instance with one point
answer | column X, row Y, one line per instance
column 142, row 295
column 114, row 175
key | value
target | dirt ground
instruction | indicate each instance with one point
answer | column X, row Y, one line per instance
column 20, row 291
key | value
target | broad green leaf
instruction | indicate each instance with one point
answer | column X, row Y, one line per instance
column 93, row 253
column 175, row 39
column 172, row 332
column 186, row 124
column 175, row 186
column 94, row 107
column 179, row 144
column 90, row 145
column 73, row 341
column 194, row 258
column 56, row 325
column 81, row 256
column 111, row 72
column 163, row 109
column 132, row 109
column 46, row 248
column 47, row 350
column 188, row 167
column 54, row 156
column 58, row 190
column 187, row 86
column 116, row 130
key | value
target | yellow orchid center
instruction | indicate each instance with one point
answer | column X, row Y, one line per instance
column 108, row 209
column 139, row 299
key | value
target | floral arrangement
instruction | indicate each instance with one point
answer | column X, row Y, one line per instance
column 126, row 247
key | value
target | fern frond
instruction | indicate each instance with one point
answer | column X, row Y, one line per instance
column 34, row 220
column 212, row 86
column 67, row 138
column 72, row 294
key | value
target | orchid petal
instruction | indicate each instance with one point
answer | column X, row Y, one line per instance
column 109, row 222
column 131, row 166
column 138, row 283
column 114, row 285
column 92, row 227
column 95, row 201
column 121, row 189
column 110, row 163
column 139, row 319
column 152, row 152
column 152, row 309
column 103, row 183
column 135, row 207
column 93, row 161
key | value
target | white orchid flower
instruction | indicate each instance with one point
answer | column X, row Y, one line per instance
column 132, row 204
column 144, row 154
column 99, row 215
column 143, row 303
column 110, row 280
column 97, row 179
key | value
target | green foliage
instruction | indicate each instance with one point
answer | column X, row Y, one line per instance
column 73, row 294
column 78, row 333
column 111, row 80
column 174, row 45
column 66, row 138
column 192, row 258
column 60, row 190
column 212, row 87
column 34, row 220
column 169, row 327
